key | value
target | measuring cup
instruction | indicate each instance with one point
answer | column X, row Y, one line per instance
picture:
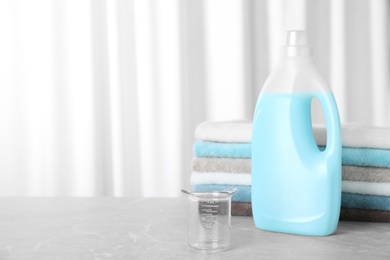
column 209, row 220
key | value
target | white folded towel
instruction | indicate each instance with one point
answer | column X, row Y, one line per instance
column 241, row 132
column 357, row 136
column 368, row 188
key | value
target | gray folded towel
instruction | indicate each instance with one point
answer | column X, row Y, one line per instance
column 221, row 165
column 234, row 165
column 366, row 174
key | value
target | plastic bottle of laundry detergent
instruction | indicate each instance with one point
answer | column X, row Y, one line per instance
column 296, row 187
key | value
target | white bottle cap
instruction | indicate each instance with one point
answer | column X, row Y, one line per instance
column 296, row 38
column 296, row 44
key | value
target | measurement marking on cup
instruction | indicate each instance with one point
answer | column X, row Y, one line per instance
column 209, row 214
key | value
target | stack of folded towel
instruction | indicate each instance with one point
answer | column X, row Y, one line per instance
column 223, row 160
column 365, row 172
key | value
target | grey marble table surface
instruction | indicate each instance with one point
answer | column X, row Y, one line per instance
column 129, row 228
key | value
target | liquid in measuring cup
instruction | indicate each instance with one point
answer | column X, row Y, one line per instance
column 209, row 221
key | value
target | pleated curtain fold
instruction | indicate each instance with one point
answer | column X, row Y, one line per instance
column 101, row 98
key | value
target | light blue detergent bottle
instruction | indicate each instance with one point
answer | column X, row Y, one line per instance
column 296, row 187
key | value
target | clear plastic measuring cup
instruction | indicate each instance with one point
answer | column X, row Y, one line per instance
column 209, row 220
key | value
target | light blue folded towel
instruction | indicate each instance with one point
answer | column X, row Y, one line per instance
column 363, row 201
column 350, row 156
column 226, row 150
column 348, row 200
column 366, row 157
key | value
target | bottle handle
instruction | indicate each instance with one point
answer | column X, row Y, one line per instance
column 333, row 128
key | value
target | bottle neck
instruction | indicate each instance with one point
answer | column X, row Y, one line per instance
column 292, row 51
column 300, row 59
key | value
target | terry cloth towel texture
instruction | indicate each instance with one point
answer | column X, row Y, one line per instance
column 222, row 159
column 369, row 188
column 346, row 214
column 234, row 165
column 357, row 136
column 348, row 200
column 366, row 174
column 221, row 165
column 364, row 215
column 224, row 150
column 245, row 179
column 350, row 156
column 362, row 201
column 366, row 157
column 241, row 132
column 241, row 209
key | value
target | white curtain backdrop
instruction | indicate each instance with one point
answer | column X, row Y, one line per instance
column 101, row 97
